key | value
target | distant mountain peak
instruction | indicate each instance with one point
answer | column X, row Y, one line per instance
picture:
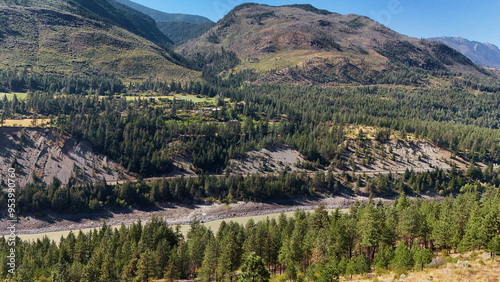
column 485, row 54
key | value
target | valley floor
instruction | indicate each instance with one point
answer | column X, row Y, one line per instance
column 177, row 214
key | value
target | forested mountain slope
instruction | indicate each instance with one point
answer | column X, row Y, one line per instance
column 178, row 27
column 181, row 31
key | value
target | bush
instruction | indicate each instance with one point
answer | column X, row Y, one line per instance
column 436, row 262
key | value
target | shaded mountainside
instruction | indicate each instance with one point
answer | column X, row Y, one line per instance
column 181, row 31
column 301, row 44
column 178, row 27
column 39, row 155
column 485, row 54
column 51, row 40
column 162, row 16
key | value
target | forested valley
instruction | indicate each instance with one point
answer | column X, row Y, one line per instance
column 154, row 111
column 318, row 246
column 146, row 135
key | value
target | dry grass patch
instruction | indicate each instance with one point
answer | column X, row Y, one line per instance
column 26, row 122
column 479, row 270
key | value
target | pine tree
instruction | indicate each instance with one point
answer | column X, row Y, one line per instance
column 208, row 271
column 254, row 269
column 409, row 219
column 367, row 225
column 61, row 274
column 383, row 258
column 494, row 246
column 422, row 256
column 92, row 271
column 286, row 257
column 130, row 270
column 403, row 258
column 351, row 268
column 229, row 255
column 472, row 235
column 146, row 267
column 328, row 273
column 362, row 264
column 171, row 271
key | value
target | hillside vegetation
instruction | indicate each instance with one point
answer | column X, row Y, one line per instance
column 54, row 41
column 177, row 27
column 360, row 111
column 181, row 31
column 106, row 11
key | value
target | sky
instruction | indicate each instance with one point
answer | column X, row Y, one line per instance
column 471, row 19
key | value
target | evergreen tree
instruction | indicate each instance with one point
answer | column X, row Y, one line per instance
column 403, row 258
column 422, row 256
column 254, row 269
column 494, row 246
column 367, row 225
column 61, row 274
column 351, row 268
column 383, row 258
column 209, row 267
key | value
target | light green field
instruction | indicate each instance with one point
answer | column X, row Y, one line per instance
column 213, row 225
column 10, row 96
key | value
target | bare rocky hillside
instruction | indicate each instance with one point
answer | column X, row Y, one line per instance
column 41, row 156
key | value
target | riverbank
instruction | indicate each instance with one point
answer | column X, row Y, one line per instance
column 174, row 214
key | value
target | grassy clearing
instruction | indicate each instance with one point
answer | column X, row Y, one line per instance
column 279, row 60
column 10, row 96
column 291, row 58
column 25, row 122
column 214, row 225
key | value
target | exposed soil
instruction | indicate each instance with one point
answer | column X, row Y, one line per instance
column 397, row 156
column 391, row 155
column 42, row 155
column 267, row 160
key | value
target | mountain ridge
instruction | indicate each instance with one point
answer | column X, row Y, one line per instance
column 304, row 45
column 164, row 16
column 486, row 54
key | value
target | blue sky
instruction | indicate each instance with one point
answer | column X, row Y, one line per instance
column 474, row 20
